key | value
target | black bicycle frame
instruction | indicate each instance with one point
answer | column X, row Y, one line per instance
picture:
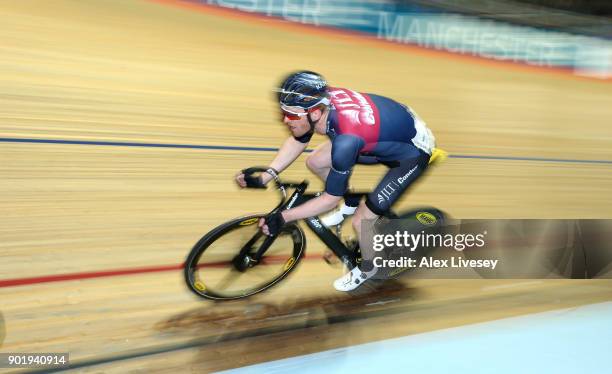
column 330, row 239
column 243, row 260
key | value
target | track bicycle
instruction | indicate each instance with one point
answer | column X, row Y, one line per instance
column 236, row 260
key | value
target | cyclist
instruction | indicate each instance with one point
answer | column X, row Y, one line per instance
column 362, row 128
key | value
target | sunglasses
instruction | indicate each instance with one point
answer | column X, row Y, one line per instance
column 292, row 116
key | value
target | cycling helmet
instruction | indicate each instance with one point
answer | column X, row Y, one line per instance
column 305, row 89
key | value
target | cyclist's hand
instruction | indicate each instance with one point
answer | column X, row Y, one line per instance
column 272, row 224
column 240, row 180
column 249, row 181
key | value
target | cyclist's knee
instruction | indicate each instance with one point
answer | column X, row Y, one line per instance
column 320, row 159
column 317, row 162
column 311, row 162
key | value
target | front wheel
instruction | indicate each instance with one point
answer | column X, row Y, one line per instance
column 222, row 265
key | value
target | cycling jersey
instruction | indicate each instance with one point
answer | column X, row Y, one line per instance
column 368, row 128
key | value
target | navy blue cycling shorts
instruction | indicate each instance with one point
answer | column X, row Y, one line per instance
column 400, row 176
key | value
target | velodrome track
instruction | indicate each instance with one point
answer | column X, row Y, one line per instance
column 123, row 122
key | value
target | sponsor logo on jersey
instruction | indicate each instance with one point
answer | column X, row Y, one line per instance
column 391, row 188
column 387, row 191
column 353, row 106
column 403, row 178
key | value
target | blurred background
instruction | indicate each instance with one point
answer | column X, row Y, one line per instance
column 123, row 122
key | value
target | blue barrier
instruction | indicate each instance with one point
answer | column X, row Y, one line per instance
column 412, row 24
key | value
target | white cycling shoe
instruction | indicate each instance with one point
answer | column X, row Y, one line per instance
column 353, row 279
column 337, row 216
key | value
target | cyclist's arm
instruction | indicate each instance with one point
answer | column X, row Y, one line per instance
column 345, row 150
column 316, row 206
column 288, row 152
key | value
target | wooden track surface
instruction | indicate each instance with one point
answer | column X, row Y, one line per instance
column 138, row 71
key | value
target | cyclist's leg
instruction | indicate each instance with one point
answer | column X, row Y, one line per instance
column 389, row 189
column 397, row 180
column 359, row 274
column 319, row 161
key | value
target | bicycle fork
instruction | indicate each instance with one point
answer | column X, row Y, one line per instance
column 243, row 260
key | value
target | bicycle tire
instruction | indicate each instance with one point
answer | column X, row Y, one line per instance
column 424, row 219
column 193, row 277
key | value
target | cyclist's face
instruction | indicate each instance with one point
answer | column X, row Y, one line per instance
column 296, row 120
